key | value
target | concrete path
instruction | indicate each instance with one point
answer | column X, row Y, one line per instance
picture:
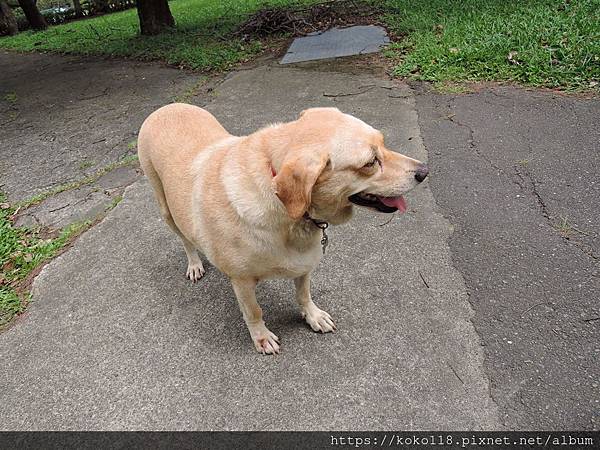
column 505, row 235
column 518, row 174
column 117, row 338
column 69, row 116
column 63, row 119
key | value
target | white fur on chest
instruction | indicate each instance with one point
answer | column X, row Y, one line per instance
column 289, row 262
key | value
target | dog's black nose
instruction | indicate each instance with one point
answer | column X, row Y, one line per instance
column 421, row 172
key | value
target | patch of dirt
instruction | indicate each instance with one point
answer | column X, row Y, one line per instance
column 372, row 64
column 303, row 20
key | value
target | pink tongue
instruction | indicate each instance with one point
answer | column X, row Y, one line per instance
column 394, row 202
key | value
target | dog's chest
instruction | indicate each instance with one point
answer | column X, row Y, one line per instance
column 295, row 258
column 294, row 264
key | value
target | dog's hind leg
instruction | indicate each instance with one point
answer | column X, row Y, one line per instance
column 195, row 269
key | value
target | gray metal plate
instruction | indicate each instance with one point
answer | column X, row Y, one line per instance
column 337, row 42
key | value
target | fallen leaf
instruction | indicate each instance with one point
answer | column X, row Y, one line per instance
column 4, row 206
column 512, row 58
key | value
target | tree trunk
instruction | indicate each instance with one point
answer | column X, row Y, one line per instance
column 8, row 22
column 154, row 15
column 35, row 19
column 77, row 8
column 101, row 6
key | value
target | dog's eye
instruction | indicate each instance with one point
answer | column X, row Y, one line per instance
column 371, row 163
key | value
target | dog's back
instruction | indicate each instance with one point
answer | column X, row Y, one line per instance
column 169, row 140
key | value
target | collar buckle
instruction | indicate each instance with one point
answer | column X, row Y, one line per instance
column 322, row 225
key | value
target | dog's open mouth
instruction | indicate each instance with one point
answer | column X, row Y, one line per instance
column 382, row 204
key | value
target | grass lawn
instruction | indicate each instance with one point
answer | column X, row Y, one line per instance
column 21, row 251
column 553, row 43
column 199, row 41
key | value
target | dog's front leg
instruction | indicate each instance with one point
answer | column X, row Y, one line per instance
column 245, row 291
column 318, row 319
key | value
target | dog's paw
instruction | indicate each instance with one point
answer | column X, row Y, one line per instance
column 318, row 319
column 195, row 271
column 264, row 341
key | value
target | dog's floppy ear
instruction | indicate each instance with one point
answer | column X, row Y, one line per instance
column 296, row 179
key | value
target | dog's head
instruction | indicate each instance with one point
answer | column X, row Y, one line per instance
column 336, row 161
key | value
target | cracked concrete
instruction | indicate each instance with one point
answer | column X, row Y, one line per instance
column 117, row 338
column 505, row 169
column 497, row 330
column 80, row 116
column 521, row 171
column 87, row 202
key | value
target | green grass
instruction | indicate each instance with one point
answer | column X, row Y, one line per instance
column 557, row 42
column 566, row 228
column 21, row 251
column 115, row 201
column 11, row 98
column 85, row 165
column 186, row 96
column 552, row 43
column 199, row 41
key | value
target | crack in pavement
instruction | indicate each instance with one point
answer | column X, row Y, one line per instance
column 487, row 378
column 533, row 184
column 549, row 218
column 473, row 145
column 524, row 177
column 349, row 94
